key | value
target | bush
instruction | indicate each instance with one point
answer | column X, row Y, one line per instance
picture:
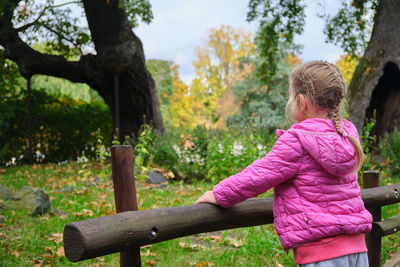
column 389, row 148
column 62, row 128
column 200, row 153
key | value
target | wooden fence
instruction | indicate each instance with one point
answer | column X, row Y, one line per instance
column 130, row 229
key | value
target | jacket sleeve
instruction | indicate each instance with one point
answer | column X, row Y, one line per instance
column 279, row 165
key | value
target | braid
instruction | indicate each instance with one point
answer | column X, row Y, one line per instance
column 336, row 122
column 356, row 145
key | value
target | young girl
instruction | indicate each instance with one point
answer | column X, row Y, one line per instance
column 318, row 210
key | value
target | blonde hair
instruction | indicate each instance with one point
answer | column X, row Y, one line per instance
column 322, row 83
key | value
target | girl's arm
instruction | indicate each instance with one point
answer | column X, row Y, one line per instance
column 279, row 165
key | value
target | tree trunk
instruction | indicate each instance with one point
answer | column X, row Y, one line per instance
column 119, row 52
column 375, row 86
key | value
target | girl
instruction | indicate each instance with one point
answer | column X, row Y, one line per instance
column 318, row 210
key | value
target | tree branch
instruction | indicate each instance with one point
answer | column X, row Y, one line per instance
column 26, row 26
column 32, row 62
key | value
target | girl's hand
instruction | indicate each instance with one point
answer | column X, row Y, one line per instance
column 207, row 197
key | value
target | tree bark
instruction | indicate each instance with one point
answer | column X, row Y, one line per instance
column 375, row 86
column 119, row 52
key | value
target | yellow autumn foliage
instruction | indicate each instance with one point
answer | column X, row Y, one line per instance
column 346, row 65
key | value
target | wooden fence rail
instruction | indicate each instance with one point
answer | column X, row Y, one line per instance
column 109, row 234
column 129, row 230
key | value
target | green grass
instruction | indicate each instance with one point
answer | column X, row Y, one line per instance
column 30, row 241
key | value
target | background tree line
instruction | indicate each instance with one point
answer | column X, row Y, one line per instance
column 239, row 79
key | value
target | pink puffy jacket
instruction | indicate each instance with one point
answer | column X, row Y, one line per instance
column 316, row 194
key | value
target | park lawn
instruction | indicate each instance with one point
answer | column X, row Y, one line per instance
column 30, row 241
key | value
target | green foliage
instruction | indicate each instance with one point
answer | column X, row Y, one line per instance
column 200, row 153
column 57, row 86
column 279, row 22
column 161, row 71
column 261, row 105
column 9, row 76
column 368, row 144
column 192, row 151
column 389, row 148
column 352, row 25
column 136, row 9
column 230, row 153
column 143, row 153
column 63, row 128
column 367, row 139
column 61, row 26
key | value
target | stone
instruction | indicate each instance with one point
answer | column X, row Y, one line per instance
column 156, row 178
column 65, row 189
column 32, row 199
column 5, row 193
column 95, row 182
column 3, row 219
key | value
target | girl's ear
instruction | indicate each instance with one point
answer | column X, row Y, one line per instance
column 302, row 102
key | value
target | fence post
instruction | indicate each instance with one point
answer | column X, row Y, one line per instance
column 374, row 241
column 125, row 194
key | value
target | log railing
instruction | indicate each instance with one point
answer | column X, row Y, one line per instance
column 128, row 231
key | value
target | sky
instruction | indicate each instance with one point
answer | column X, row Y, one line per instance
column 179, row 26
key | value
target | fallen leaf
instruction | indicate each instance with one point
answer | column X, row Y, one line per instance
column 56, row 238
column 15, row 253
column 147, row 253
column 182, row 244
column 84, row 212
column 204, row 264
column 150, row 262
column 216, row 237
column 236, row 243
column 60, row 252
column 182, row 193
column 46, row 257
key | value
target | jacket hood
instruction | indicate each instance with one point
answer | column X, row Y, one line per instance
column 335, row 153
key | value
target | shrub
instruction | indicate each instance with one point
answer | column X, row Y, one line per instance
column 200, row 153
column 62, row 128
column 389, row 148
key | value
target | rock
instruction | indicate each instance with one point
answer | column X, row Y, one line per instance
column 95, row 182
column 65, row 189
column 156, row 178
column 34, row 200
column 2, row 218
column 5, row 193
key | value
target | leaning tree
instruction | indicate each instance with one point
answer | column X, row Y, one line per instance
column 374, row 91
column 375, row 86
column 108, row 48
